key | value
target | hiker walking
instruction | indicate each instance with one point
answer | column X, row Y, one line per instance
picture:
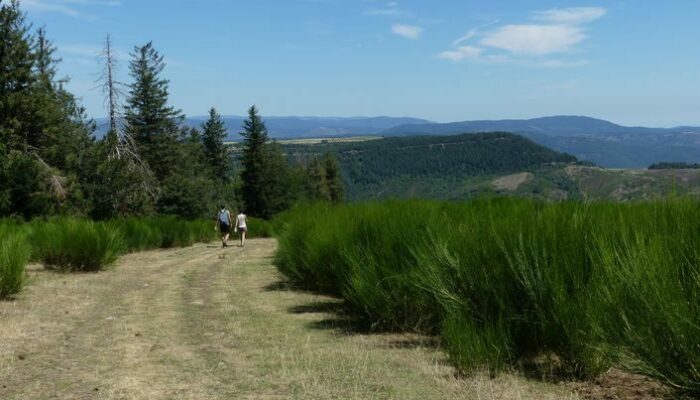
column 223, row 224
column 241, row 225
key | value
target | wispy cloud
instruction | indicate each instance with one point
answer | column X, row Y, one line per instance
column 534, row 39
column 462, row 53
column 471, row 33
column 407, row 31
column 71, row 8
column 391, row 9
column 570, row 16
column 390, row 12
column 556, row 31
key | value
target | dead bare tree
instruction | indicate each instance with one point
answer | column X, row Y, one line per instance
column 120, row 143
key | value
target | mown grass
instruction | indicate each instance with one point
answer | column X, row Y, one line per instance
column 508, row 281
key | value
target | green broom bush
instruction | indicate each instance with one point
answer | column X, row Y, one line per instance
column 505, row 282
column 14, row 255
column 72, row 244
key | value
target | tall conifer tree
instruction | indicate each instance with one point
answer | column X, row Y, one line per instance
column 16, row 79
column 334, row 181
column 213, row 136
column 151, row 122
column 254, row 157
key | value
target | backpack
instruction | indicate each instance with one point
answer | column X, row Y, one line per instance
column 223, row 217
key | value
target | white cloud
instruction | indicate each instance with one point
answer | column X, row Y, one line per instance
column 407, row 31
column 534, row 39
column 558, row 31
column 570, row 16
column 462, row 53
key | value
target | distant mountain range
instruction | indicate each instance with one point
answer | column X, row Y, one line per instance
column 598, row 141
column 302, row 127
column 602, row 142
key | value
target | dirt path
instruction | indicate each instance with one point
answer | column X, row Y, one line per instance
column 209, row 323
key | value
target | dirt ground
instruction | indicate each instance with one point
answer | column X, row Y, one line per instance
column 211, row 323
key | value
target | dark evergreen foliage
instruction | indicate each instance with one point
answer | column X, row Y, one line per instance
column 442, row 160
column 151, row 122
column 674, row 165
column 334, row 180
column 213, row 136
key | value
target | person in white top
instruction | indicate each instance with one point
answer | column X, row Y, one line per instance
column 241, row 225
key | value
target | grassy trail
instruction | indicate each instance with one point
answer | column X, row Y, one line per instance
column 209, row 323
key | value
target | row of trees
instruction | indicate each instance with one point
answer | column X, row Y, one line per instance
column 148, row 161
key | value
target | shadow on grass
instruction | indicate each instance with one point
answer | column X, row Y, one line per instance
column 341, row 320
column 328, row 307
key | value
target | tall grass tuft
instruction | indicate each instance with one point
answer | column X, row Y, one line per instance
column 506, row 282
column 76, row 245
column 14, row 254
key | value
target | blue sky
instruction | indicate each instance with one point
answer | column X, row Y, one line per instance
column 634, row 62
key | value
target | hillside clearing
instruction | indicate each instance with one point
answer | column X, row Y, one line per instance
column 511, row 182
column 207, row 323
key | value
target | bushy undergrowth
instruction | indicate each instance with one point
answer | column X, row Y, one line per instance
column 506, row 281
column 14, row 254
column 74, row 244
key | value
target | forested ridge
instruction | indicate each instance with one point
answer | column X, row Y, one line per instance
column 447, row 159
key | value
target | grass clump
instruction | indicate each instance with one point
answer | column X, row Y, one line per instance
column 72, row 244
column 506, row 282
column 14, row 255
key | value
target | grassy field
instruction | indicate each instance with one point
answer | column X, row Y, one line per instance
column 209, row 323
column 507, row 283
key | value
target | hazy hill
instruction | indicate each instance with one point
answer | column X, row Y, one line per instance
column 590, row 139
column 463, row 166
column 303, row 127
column 433, row 167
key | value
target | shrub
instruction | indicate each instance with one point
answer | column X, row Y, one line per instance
column 76, row 245
column 506, row 281
column 14, row 254
column 259, row 228
column 138, row 234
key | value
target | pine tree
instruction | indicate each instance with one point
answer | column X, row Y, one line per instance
column 42, row 126
column 317, row 184
column 265, row 178
column 334, row 181
column 213, row 136
column 152, row 124
column 63, row 132
column 16, row 80
column 254, row 157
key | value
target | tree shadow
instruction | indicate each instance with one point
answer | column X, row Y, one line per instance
column 326, row 307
